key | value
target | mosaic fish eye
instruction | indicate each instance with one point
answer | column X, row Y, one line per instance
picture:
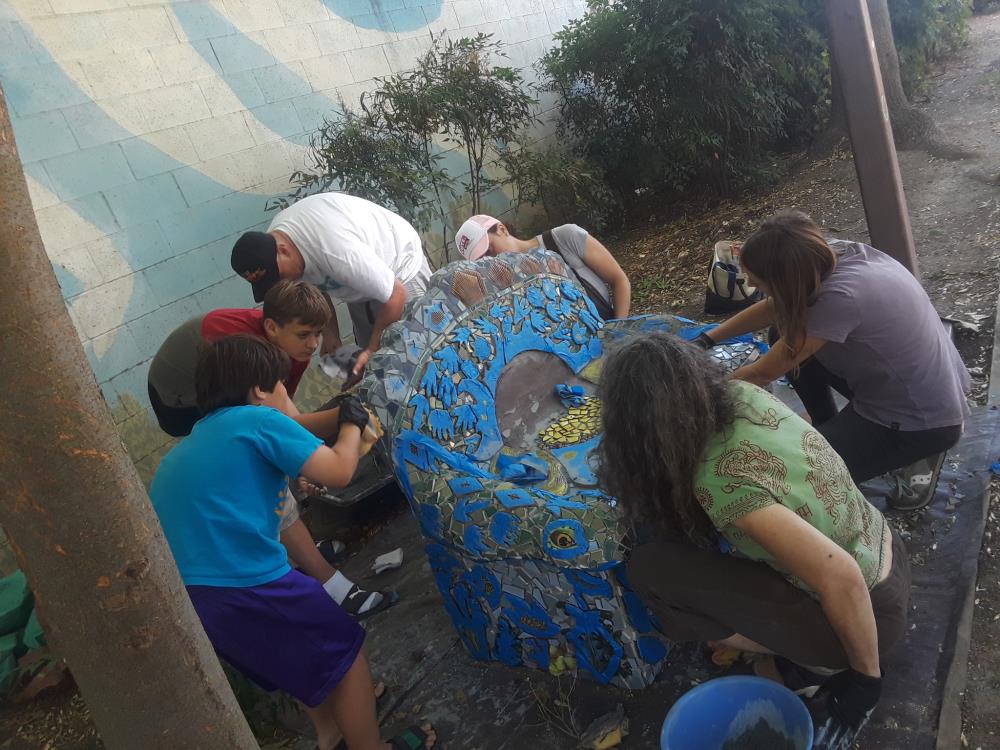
column 562, row 539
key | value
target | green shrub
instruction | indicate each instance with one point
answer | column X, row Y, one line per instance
column 926, row 31
column 361, row 155
column 483, row 106
column 459, row 95
column 666, row 94
column 570, row 189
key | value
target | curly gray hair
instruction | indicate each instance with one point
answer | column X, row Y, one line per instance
column 662, row 398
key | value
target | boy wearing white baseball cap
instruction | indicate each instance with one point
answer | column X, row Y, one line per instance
column 594, row 267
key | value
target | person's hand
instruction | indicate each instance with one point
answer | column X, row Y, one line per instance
column 704, row 341
column 307, row 488
column 352, row 411
column 841, row 707
column 358, row 370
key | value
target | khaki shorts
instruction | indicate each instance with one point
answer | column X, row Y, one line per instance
column 363, row 314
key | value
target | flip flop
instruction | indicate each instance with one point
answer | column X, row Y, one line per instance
column 333, row 550
column 411, row 738
column 357, row 596
column 725, row 657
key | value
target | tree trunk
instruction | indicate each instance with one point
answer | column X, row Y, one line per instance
column 911, row 128
column 838, row 107
column 836, row 124
column 80, row 522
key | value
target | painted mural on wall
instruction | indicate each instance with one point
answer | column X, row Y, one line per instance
column 488, row 392
column 153, row 134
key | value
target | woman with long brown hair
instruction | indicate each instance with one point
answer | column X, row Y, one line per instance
column 850, row 319
column 698, row 463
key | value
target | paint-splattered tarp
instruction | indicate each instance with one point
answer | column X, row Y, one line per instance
column 487, row 389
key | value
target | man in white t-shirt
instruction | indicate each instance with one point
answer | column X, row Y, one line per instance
column 353, row 250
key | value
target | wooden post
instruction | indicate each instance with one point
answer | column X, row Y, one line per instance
column 852, row 48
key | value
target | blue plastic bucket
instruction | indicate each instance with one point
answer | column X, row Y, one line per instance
column 720, row 710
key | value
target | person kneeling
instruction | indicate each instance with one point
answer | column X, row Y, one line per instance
column 701, row 463
column 218, row 495
column 845, row 317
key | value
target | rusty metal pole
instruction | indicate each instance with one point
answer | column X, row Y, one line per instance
column 852, row 48
column 80, row 522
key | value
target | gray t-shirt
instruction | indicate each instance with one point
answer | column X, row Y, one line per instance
column 171, row 372
column 886, row 340
column 572, row 241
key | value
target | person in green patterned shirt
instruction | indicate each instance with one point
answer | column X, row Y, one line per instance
column 753, row 534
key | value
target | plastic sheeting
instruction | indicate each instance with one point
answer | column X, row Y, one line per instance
column 943, row 542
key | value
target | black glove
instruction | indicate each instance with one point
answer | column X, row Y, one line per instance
column 841, row 707
column 352, row 411
column 703, row 341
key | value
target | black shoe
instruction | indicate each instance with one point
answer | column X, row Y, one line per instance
column 913, row 486
column 357, row 597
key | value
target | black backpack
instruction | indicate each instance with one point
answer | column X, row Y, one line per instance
column 604, row 308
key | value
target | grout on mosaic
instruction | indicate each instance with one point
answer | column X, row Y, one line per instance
column 487, row 390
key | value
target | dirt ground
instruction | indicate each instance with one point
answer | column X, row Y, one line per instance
column 955, row 210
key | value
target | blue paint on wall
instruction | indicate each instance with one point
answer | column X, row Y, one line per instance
column 238, row 53
column 386, row 15
column 136, row 233
column 150, row 221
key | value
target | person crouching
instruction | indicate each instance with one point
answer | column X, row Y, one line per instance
column 218, row 494
column 701, row 463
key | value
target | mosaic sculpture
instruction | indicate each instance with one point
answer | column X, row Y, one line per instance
column 487, row 389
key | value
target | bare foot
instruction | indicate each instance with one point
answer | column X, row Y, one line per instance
column 431, row 735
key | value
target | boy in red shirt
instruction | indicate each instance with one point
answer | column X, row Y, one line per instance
column 293, row 317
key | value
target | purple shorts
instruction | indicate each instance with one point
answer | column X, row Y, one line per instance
column 284, row 635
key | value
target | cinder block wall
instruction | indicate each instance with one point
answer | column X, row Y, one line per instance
column 153, row 133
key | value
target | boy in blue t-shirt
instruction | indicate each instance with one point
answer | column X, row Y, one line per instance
column 218, row 494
